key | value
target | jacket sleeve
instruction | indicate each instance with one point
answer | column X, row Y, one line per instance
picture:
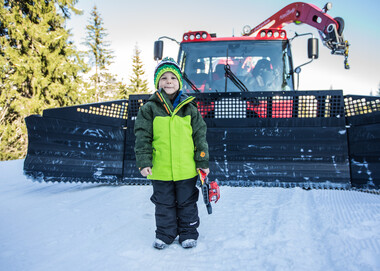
column 144, row 137
column 199, row 126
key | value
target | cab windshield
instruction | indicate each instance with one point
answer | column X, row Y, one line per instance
column 258, row 65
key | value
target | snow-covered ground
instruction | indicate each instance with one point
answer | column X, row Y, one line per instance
column 45, row 226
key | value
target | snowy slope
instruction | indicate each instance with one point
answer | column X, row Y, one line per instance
column 46, row 226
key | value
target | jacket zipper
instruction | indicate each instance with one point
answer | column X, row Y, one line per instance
column 172, row 114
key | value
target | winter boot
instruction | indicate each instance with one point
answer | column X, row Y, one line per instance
column 189, row 243
column 159, row 244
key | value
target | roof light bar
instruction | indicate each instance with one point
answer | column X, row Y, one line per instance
column 264, row 34
column 196, row 36
column 272, row 34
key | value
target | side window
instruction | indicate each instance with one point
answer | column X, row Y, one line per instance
column 198, row 71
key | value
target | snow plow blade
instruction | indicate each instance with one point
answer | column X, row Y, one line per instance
column 77, row 144
column 311, row 139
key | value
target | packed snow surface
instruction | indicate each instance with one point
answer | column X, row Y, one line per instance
column 58, row 226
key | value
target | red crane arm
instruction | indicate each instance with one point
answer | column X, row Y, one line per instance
column 330, row 29
column 298, row 12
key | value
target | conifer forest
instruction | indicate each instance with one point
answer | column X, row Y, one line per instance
column 40, row 67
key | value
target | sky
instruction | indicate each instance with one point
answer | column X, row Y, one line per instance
column 130, row 23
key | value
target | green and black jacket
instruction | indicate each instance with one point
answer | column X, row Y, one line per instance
column 171, row 141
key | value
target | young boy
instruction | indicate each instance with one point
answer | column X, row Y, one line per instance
column 170, row 147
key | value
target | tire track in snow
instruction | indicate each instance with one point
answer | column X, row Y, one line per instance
column 102, row 221
column 354, row 230
column 296, row 230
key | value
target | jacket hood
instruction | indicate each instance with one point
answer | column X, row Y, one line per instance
column 155, row 97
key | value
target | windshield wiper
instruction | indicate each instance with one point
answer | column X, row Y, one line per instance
column 234, row 79
column 184, row 76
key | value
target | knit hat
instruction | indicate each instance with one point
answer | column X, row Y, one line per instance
column 167, row 65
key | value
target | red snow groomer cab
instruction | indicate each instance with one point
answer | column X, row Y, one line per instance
column 238, row 64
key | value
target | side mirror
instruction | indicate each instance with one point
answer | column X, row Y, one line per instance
column 158, row 49
column 312, row 48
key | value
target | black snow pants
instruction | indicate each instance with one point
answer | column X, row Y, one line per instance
column 176, row 209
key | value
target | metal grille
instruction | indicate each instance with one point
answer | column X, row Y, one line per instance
column 310, row 104
column 112, row 110
column 229, row 108
column 361, row 105
column 319, row 104
column 135, row 102
column 114, row 113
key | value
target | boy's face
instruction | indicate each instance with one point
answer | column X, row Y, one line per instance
column 169, row 83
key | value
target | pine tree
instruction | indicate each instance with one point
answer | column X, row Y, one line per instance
column 122, row 91
column 137, row 84
column 39, row 67
column 103, row 83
